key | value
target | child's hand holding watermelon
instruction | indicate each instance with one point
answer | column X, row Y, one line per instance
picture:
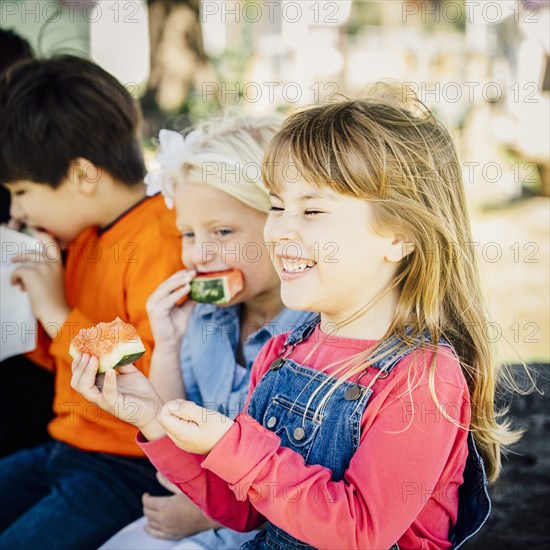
column 167, row 317
column 126, row 394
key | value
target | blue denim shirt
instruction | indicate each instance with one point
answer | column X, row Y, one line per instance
column 212, row 376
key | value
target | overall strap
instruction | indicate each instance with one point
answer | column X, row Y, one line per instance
column 302, row 332
column 386, row 363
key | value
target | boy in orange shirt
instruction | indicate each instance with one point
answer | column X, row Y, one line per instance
column 71, row 158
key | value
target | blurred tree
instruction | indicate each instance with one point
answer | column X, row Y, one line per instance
column 179, row 64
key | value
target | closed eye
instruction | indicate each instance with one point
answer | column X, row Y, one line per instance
column 276, row 209
column 312, row 212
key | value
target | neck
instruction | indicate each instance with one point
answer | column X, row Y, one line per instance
column 263, row 308
column 371, row 325
column 116, row 199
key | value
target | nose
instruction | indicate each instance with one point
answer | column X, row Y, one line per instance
column 16, row 212
column 202, row 251
column 280, row 227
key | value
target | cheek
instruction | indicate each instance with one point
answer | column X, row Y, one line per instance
column 184, row 255
column 268, row 232
column 255, row 264
column 330, row 254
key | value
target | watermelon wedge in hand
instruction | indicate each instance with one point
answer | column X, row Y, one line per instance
column 115, row 344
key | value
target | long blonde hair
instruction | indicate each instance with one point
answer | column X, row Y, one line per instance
column 401, row 159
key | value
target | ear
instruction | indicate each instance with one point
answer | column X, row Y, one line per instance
column 400, row 247
column 85, row 175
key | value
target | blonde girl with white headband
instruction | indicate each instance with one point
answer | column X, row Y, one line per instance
column 205, row 352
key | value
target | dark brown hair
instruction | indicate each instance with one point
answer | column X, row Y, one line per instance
column 56, row 110
column 13, row 48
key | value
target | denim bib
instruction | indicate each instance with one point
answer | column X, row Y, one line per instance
column 285, row 401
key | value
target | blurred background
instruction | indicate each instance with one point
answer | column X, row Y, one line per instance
column 482, row 66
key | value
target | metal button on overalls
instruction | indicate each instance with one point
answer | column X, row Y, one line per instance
column 271, row 422
column 299, row 434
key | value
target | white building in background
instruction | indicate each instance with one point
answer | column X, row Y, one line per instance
column 113, row 33
column 119, row 40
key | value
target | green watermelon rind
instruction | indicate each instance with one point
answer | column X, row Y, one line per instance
column 209, row 291
column 128, row 359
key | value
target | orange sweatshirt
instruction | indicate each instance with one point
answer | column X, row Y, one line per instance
column 109, row 273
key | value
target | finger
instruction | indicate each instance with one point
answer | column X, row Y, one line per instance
column 100, row 382
column 29, row 257
column 82, row 381
column 172, row 283
column 188, row 306
column 185, row 410
column 76, row 361
column 170, row 301
column 182, row 275
column 150, row 503
column 164, row 298
column 167, row 484
column 77, row 368
column 21, row 274
column 88, row 371
column 110, row 387
column 51, row 248
column 14, row 224
column 157, row 533
column 127, row 369
column 17, row 280
column 178, row 430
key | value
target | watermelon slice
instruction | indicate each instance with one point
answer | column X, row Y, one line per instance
column 114, row 344
column 219, row 287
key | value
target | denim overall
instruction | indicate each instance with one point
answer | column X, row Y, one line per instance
column 330, row 438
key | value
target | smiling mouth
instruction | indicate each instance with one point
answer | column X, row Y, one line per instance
column 297, row 265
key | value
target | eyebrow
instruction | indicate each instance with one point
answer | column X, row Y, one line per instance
column 180, row 225
column 309, row 196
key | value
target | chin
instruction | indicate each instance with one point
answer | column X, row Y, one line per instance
column 294, row 301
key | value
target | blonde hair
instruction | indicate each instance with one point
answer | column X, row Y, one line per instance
column 401, row 159
column 226, row 153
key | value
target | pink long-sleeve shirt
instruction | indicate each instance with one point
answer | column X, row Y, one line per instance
column 402, row 482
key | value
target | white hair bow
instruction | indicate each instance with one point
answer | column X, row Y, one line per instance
column 174, row 151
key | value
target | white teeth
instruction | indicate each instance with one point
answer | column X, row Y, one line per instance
column 293, row 267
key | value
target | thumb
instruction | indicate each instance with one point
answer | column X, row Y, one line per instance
column 167, row 484
column 110, row 387
column 186, row 410
column 188, row 306
column 127, row 369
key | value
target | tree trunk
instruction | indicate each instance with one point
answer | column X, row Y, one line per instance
column 179, row 63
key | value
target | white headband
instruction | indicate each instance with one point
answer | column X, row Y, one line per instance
column 175, row 150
